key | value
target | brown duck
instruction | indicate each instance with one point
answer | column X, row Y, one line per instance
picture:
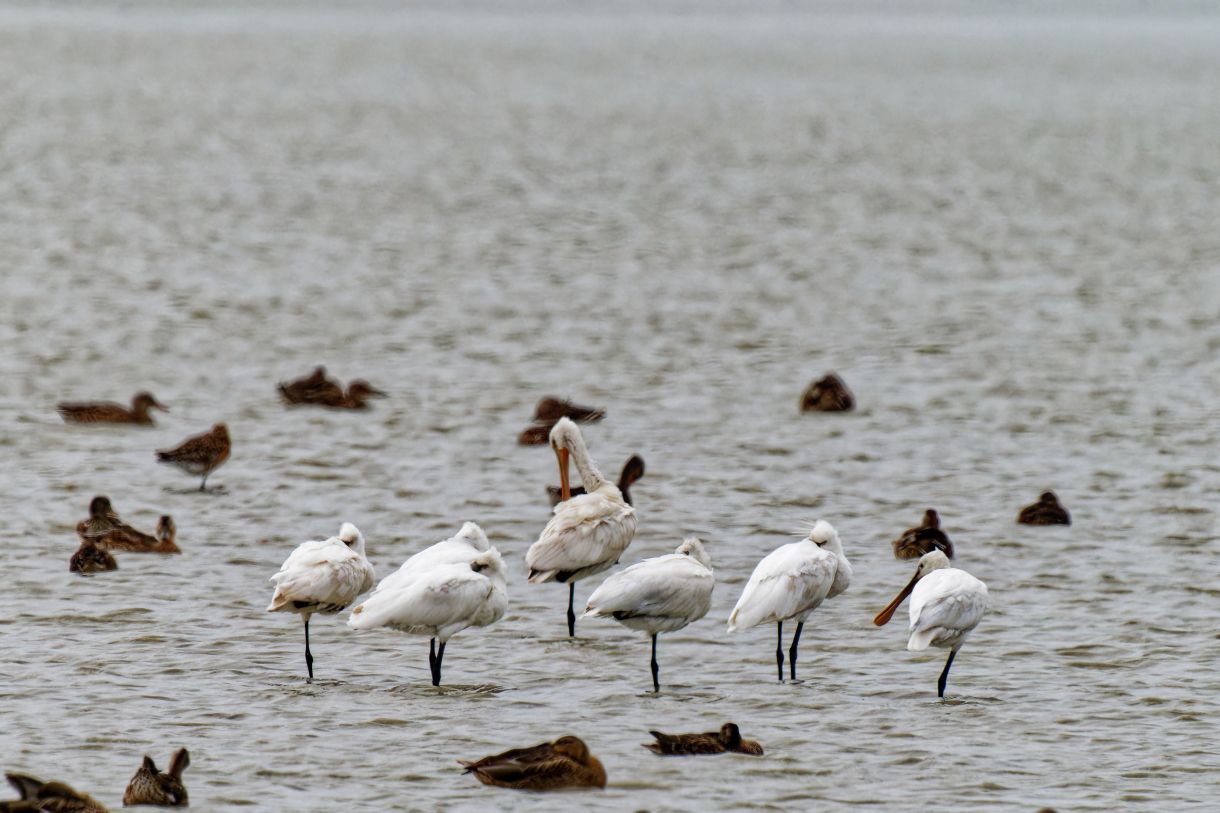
column 110, row 412
column 726, row 740
column 917, row 541
column 548, row 412
column 633, row 470
column 318, row 390
column 827, row 394
column 152, row 787
column 564, row 763
column 133, row 541
column 102, row 518
column 90, row 557
column 1046, row 511
column 48, row 797
column 200, row 454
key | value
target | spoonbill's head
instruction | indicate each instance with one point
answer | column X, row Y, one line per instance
column 565, row 436
column 490, row 564
column 693, row 547
column 473, row 535
column 824, row 535
column 932, row 560
column 350, row 535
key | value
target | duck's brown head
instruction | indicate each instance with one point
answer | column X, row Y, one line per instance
column 730, row 735
column 144, row 401
column 573, row 747
column 1048, row 498
column 931, row 519
column 99, row 506
column 360, row 389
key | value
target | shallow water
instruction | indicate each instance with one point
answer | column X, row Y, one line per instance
column 1000, row 230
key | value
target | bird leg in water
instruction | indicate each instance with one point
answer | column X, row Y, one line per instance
column 308, row 654
column 779, row 649
column 656, row 685
column 440, row 655
column 571, row 612
column 800, row 625
column 203, row 484
column 944, row 675
column 432, row 660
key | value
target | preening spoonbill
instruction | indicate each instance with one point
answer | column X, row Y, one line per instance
column 790, row 582
column 586, row 534
column 946, row 605
column 656, row 595
column 438, row 600
column 322, row 577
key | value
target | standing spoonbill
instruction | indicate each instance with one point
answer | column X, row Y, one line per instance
column 587, row 533
column 790, row 582
column 439, row 601
column 322, row 577
column 946, row 605
column 656, row 595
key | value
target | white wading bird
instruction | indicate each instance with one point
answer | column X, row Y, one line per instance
column 462, row 547
column 662, row 594
column 589, row 532
column 790, row 582
column 441, row 597
column 322, row 577
column 946, row 605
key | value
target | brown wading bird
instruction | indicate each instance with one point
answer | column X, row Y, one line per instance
column 828, row 394
column 547, row 414
column 89, row 557
column 133, row 541
column 151, row 787
column 633, row 470
column 318, row 390
column 1046, row 511
column 727, row 739
column 915, row 542
column 48, row 797
column 110, row 412
column 200, row 454
column 564, row 763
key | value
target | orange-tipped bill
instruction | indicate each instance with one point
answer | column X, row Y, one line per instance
column 885, row 615
column 565, row 487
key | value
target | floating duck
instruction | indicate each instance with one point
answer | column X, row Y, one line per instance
column 48, row 797
column 152, row 787
column 318, row 390
column 90, row 557
column 110, row 412
column 1046, row 511
column 133, row 541
column 928, row 536
column 726, row 740
column 564, row 763
column 827, row 394
column 548, row 412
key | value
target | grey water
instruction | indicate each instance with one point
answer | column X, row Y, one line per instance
column 997, row 223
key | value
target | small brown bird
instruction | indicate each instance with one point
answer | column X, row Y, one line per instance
column 633, row 470
column 89, row 557
column 102, row 518
column 828, row 394
column 1046, row 511
column 547, row 414
column 131, row 540
column 915, row 542
column 727, row 739
column 48, row 797
column 110, row 412
column 151, row 787
column 200, row 454
column 318, row 390
column 564, row 763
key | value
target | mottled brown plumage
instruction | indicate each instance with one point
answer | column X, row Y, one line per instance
column 928, row 536
column 152, row 787
column 37, row 796
column 102, row 518
column 319, row 390
column 564, row 763
column 633, row 470
column 828, row 394
column 89, row 557
column 200, row 454
column 110, row 412
column 130, row 540
column 1046, row 511
column 726, row 740
column 547, row 414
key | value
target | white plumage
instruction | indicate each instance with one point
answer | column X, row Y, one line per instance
column 662, row 594
column 438, row 593
column 790, row 583
column 587, row 533
column 322, row 577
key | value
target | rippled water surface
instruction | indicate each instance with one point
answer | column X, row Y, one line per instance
column 1001, row 231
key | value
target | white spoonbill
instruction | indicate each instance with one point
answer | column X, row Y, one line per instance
column 322, row 577
column 662, row 594
column 466, row 544
column 790, row 582
column 946, row 605
column 589, row 532
column 438, row 601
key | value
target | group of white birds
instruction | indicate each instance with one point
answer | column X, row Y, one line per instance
column 462, row 582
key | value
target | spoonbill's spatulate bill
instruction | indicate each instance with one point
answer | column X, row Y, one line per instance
column 658, row 595
column 586, row 534
column 790, row 582
column 322, row 577
column 946, row 605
